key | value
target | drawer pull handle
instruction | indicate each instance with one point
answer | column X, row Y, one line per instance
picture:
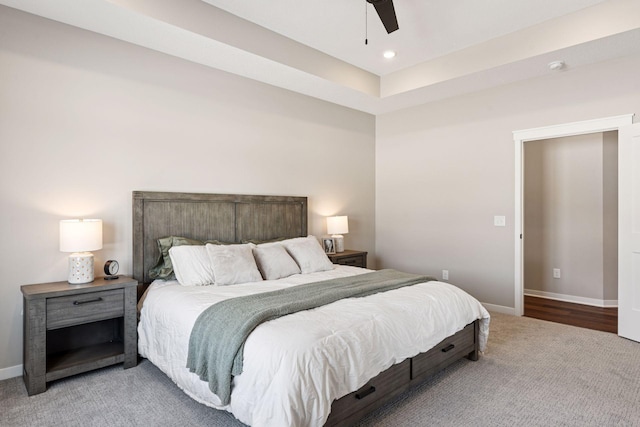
column 448, row 348
column 87, row 301
column 365, row 393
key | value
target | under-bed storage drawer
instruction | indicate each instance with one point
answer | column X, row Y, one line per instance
column 84, row 308
column 440, row 356
column 373, row 394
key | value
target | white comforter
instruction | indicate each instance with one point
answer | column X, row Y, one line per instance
column 295, row 366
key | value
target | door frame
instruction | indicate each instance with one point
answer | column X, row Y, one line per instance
column 535, row 134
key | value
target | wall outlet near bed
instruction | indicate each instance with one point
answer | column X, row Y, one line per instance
column 556, row 273
column 445, row 274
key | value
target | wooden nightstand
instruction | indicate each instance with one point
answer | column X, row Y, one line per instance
column 349, row 257
column 69, row 329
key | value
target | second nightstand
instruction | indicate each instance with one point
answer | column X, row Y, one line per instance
column 69, row 329
column 349, row 257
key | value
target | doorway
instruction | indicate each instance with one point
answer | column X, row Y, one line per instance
column 570, row 230
column 520, row 137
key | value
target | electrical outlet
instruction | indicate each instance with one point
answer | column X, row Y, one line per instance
column 445, row 274
column 556, row 273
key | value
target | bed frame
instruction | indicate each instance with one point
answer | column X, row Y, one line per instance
column 238, row 218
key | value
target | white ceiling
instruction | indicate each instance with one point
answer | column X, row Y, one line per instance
column 445, row 47
column 428, row 28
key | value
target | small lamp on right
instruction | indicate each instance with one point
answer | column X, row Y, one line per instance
column 336, row 226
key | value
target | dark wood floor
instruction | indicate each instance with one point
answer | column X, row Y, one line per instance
column 584, row 316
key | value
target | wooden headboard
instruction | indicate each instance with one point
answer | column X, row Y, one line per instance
column 224, row 217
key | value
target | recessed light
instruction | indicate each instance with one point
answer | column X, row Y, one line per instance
column 389, row 54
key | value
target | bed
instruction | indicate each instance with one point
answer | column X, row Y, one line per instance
column 329, row 365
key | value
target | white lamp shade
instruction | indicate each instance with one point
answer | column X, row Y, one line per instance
column 80, row 235
column 337, row 225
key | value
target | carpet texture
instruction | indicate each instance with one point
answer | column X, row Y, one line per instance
column 534, row 373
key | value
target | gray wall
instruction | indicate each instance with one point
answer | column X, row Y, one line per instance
column 444, row 169
column 85, row 120
column 568, row 216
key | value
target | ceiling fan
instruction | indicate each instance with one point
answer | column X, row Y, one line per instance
column 387, row 14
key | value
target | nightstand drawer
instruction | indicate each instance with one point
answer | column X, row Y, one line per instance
column 355, row 261
column 84, row 308
column 350, row 257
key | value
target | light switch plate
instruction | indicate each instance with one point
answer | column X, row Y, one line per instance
column 499, row 220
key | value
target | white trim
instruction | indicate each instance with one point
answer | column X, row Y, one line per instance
column 498, row 308
column 517, row 226
column 547, row 132
column 575, row 128
column 10, row 372
column 606, row 303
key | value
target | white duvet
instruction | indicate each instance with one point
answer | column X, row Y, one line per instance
column 297, row 365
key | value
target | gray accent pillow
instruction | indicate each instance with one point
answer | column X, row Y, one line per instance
column 233, row 264
column 308, row 254
column 274, row 262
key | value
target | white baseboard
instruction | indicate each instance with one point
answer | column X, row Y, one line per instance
column 571, row 298
column 499, row 308
column 10, row 372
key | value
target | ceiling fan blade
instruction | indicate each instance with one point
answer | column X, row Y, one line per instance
column 387, row 14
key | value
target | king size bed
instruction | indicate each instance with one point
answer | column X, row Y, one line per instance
column 323, row 363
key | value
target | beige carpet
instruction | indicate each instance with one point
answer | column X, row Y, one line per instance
column 534, row 373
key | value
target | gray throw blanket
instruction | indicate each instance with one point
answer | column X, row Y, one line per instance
column 216, row 343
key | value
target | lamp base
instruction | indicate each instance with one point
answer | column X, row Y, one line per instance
column 339, row 238
column 80, row 268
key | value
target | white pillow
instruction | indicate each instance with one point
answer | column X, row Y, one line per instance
column 191, row 265
column 274, row 262
column 308, row 254
column 233, row 264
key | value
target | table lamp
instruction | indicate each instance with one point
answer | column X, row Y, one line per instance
column 336, row 226
column 80, row 236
